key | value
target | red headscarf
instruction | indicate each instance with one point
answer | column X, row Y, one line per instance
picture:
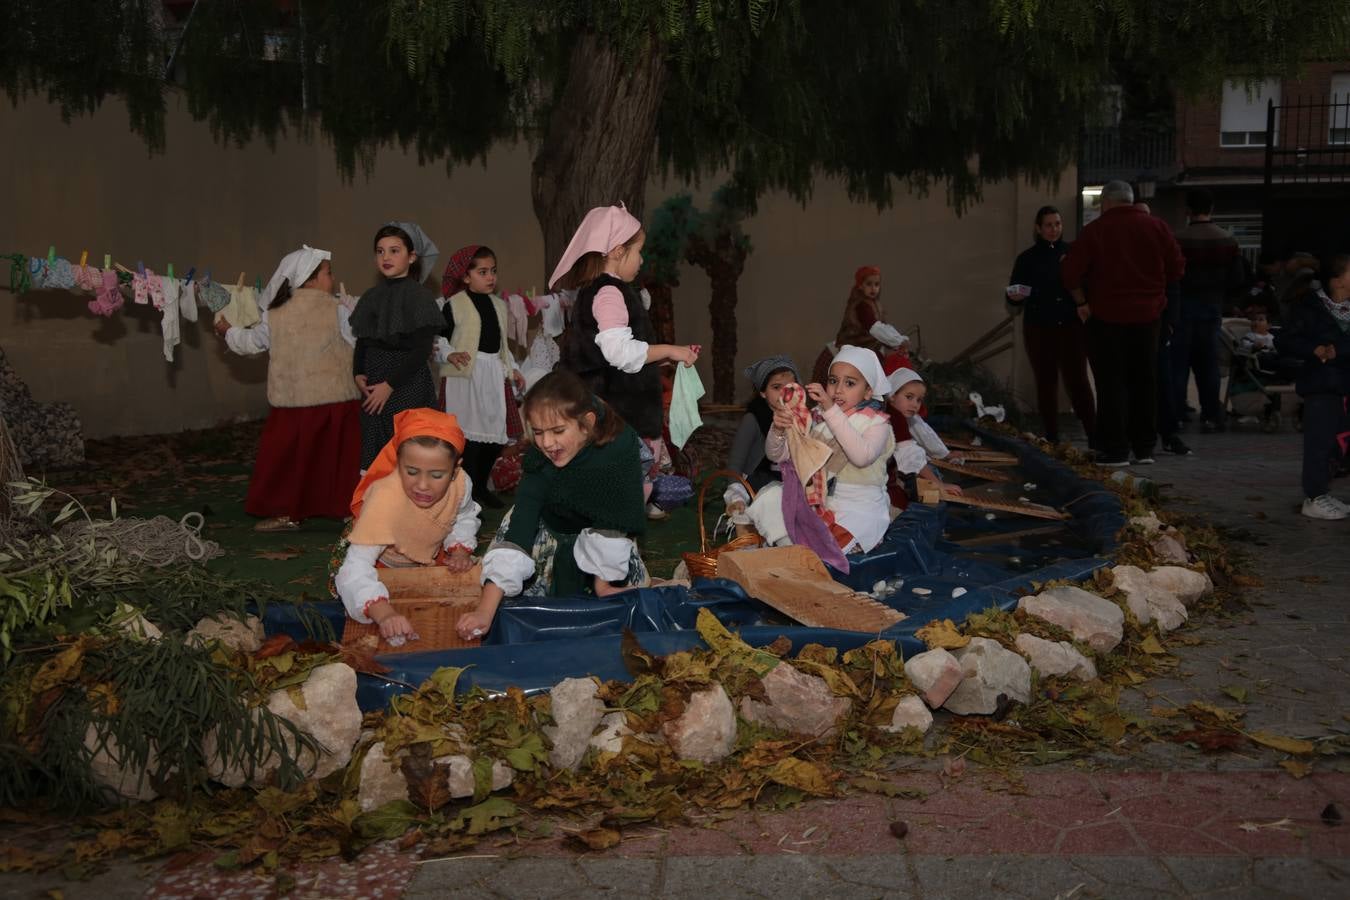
column 456, row 269
column 410, row 423
column 863, row 273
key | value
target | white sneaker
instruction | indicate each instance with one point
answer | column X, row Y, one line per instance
column 1325, row 507
column 656, row 513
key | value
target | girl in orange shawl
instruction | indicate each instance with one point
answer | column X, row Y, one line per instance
column 862, row 311
column 413, row 507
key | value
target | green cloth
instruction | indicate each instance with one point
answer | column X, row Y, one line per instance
column 684, row 417
column 397, row 306
column 600, row 488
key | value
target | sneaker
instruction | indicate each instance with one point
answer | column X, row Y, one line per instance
column 277, row 523
column 1175, row 444
column 1114, row 462
column 1210, row 426
column 1324, row 507
column 656, row 513
column 1143, row 460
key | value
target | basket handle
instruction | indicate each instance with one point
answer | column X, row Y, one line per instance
column 702, row 495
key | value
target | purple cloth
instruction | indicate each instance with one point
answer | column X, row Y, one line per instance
column 804, row 527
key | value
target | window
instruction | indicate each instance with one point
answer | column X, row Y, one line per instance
column 1340, row 109
column 1242, row 120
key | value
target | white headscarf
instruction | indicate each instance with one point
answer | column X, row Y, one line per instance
column 425, row 248
column 296, row 267
column 901, row 377
column 866, row 362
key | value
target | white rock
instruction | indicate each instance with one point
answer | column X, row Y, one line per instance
column 910, row 712
column 1094, row 620
column 934, row 674
column 236, row 634
column 109, row 770
column 921, row 591
column 1187, row 584
column 576, row 712
column 879, row 586
column 1170, row 550
column 1148, row 523
column 958, row 592
column 992, row 671
column 706, row 730
column 331, row 717
column 460, row 776
column 613, row 729
column 381, row 779
column 1148, row 602
column 798, row 702
column 1056, row 657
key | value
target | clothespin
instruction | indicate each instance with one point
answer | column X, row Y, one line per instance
column 107, row 260
column 84, row 258
column 257, row 284
column 51, row 255
column 170, row 270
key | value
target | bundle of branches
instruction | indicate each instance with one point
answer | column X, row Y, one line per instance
column 93, row 661
column 951, row 383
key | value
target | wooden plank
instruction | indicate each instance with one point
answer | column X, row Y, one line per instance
column 795, row 582
column 972, row 471
column 432, row 598
column 1035, row 510
column 986, row 540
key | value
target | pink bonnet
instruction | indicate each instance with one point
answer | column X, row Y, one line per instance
column 603, row 229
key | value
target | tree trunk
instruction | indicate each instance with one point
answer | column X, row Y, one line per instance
column 600, row 142
column 663, row 310
column 724, row 262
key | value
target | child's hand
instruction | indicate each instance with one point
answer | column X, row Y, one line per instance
column 473, row 625
column 221, row 326
column 518, row 380
column 396, row 626
column 682, row 354
column 782, row 419
column 459, row 561
column 956, row 458
column 604, row 588
column 951, row 488
column 360, row 382
column 377, row 396
column 817, row 393
column 459, row 360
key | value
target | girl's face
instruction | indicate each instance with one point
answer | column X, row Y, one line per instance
column 1260, row 325
column 425, row 473
column 847, row 386
column 1051, row 227
column 909, row 399
column 558, row 438
column 625, row 261
column 773, row 388
column 871, row 287
column 322, row 279
column 1340, row 285
column 393, row 258
column 482, row 276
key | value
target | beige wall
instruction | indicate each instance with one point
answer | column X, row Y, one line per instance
column 90, row 184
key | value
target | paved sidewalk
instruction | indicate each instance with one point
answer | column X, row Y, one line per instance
column 1171, row 822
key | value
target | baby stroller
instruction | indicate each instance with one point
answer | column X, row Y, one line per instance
column 1258, row 379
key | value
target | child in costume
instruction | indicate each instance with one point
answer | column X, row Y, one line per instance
column 862, row 310
column 768, row 377
column 395, row 324
column 309, row 457
column 413, row 507
column 848, row 492
column 912, row 456
column 477, row 367
column 610, row 342
column 578, row 506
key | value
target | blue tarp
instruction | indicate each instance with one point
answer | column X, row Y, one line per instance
column 536, row 642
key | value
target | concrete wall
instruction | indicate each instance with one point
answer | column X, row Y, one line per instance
column 90, row 184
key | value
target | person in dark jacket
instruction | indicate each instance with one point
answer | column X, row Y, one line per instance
column 1317, row 331
column 1056, row 339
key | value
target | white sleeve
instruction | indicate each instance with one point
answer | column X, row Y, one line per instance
column 508, row 567
column 909, row 457
column 442, row 350
column 606, row 555
column 358, row 582
column 927, row 438
column 252, row 340
column 621, row 350
column 861, row 449
column 344, row 316
column 465, row 530
column 776, row 445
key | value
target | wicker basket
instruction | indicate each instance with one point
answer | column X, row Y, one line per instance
column 703, row 564
column 432, row 598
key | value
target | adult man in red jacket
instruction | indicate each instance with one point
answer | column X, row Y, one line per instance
column 1118, row 271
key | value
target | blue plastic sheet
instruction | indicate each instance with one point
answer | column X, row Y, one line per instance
column 536, row 642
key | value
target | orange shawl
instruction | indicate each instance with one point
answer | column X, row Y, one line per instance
column 385, row 515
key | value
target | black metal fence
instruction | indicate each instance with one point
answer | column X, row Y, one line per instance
column 1311, row 142
column 1106, row 154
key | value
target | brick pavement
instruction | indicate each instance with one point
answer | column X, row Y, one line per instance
column 1171, row 822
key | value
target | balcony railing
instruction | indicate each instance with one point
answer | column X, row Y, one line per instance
column 1106, row 154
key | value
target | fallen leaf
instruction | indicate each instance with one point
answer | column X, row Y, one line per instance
column 491, row 814
column 275, row 554
column 1237, row 693
column 1282, row 743
column 887, row 788
column 275, row 646
column 386, row 822
column 899, row 830
column 635, row 659
column 1277, row 825
column 802, row 775
column 953, row 768
column 942, row 634
column 1296, row 767
column 1151, row 646
column 428, row 783
column 594, row 839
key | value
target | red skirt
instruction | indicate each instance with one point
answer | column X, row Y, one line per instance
column 309, row 461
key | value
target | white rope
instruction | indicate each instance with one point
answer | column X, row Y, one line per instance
column 156, row 542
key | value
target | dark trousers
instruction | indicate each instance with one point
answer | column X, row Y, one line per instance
column 1125, row 366
column 1169, row 415
column 1057, row 351
column 1323, row 418
column 478, row 459
column 1195, row 348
